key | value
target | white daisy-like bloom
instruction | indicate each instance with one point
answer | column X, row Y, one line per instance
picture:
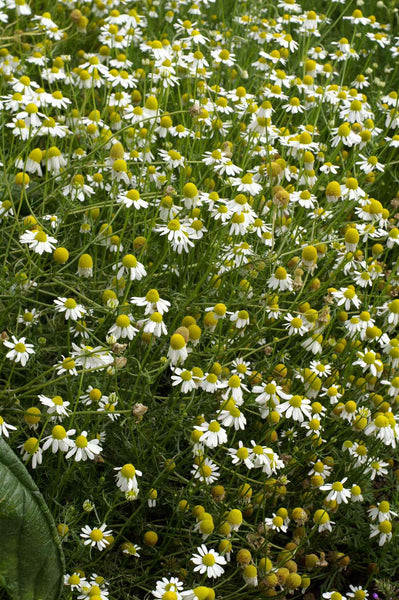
column 55, row 406
column 210, row 383
column 313, row 344
column 178, row 235
column 280, row 280
column 227, row 167
column 70, row 307
column 19, row 350
column 369, row 164
column 32, row 163
column 213, row 434
column 276, row 523
column 154, row 325
column 320, row 369
column 75, row 581
column 152, row 302
column 83, row 448
column 258, row 455
column 297, row 408
column 383, row 512
column 223, row 56
column 346, row 135
column 319, row 468
column 268, row 396
column 357, row 592
column 173, row 584
column 123, row 328
column 231, row 416
column 393, row 389
column 92, row 396
column 96, row 537
column 31, row 450
column 184, row 378
column 206, row 471
column 126, row 477
column 178, row 351
column 391, row 312
column 304, row 199
column 346, row 296
column 240, row 318
column 38, row 241
column 208, row 561
column 108, row 404
column 132, row 198
column 333, row 595
column 58, row 439
column 368, row 361
column 172, row 158
column 241, row 455
column 337, row 491
column 377, row 468
column 66, row 365
column 5, row 428
column 235, row 388
column 384, row 530
column 134, row 269
column 295, row 325
column 6, row 208
column 92, row 358
column 54, row 160
column 246, row 184
column 131, row 549
column 386, row 430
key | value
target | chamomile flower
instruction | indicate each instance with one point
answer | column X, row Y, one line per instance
column 205, row 470
column 155, row 325
column 368, row 361
column 231, row 416
column 66, row 365
column 297, row 408
column 38, row 241
column 337, row 491
column 83, row 448
column 130, row 266
column 240, row 318
column 275, row 523
column 382, row 512
column 123, row 328
column 280, row 280
column 71, row 309
column 5, row 428
column 126, row 477
column 178, row 351
column 55, row 405
column 132, row 198
column 58, row 439
column 20, row 351
column 152, row 302
column 213, row 434
column 91, row 358
column 32, row 452
column 184, row 379
column 246, row 184
column 383, row 530
column 295, row 325
column 96, row 537
column 208, row 562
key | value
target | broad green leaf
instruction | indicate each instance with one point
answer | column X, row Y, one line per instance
column 31, row 559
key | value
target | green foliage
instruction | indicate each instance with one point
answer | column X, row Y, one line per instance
column 31, row 558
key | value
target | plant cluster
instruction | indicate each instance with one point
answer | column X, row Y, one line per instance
column 199, row 286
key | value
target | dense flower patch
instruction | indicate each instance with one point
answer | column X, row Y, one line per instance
column 200, row 275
